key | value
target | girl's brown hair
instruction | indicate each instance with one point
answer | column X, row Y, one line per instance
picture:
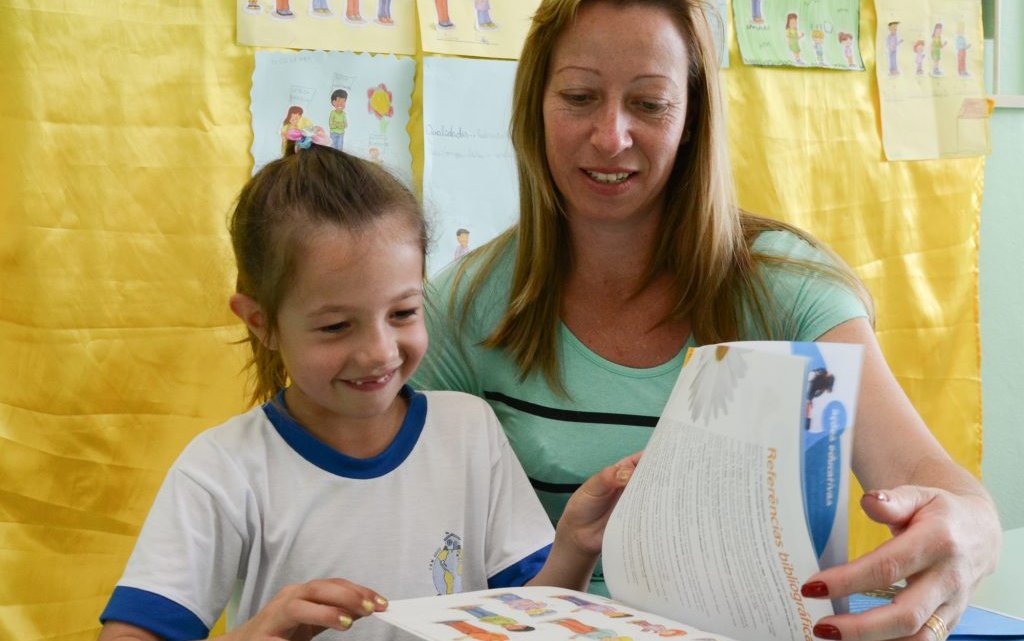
column 275, row 212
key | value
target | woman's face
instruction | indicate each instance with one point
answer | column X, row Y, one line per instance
column 615, row 111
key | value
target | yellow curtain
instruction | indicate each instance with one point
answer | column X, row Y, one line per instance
column 129, row 137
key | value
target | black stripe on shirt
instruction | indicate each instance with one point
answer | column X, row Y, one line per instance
column 572, row 416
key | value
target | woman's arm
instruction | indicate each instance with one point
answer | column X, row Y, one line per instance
column 945, row 528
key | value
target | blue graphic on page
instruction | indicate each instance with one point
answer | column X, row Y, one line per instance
column 825, row 420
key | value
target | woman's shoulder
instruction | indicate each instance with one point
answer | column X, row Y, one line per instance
column 786, row 243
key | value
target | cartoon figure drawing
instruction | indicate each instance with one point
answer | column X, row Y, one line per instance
column 961, row 51
column 483, row 15
column 892, row 45
column 487, row 616
column 384, row 13
column 462, row 237
column 658, row 629
column 756, row 17
column 475, row 633
column 376, row 156
column 588, row 631
column 820, row 381
column 253, row 6
column 352, row 14
column 293, row 120
column 337, row 122
column 530, row 607
column 846, row 42
column 282, row 9
column 446, row 566
column 320, row 9
column 583, row 604
column 793, row 36
column 937, row 45
column 818, row 41
column 919, row 57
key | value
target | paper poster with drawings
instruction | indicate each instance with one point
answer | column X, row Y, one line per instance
column 931, row 79
column 355, row 102
column 718, row 18
column 380, row 26
column 470, row 184
column 800, row 33
column 481, row 28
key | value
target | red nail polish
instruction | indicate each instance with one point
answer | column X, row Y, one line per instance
column 814, row 590
column 826, row 631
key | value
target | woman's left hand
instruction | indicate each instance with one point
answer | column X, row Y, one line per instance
column 943, row 545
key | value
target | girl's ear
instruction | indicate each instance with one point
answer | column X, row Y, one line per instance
column 252, row 315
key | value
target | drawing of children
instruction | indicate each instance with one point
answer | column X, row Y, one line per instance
column 462, row 248
column 483, row 15
column 293, row 120
column 961, row 50
column 320, row 9
column 253, row 6
column 892, row 44
column 282, row 9
column 846, row 42
column 937, row 44
column 818, row 41
column 919, row 57
column 384, row 13
column 756, row 17
column 352, row 15
column 793, row 36
column 337, row 122
column 443, row 21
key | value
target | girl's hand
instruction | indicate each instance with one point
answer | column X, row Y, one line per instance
column 300, row 612
column 943, row 544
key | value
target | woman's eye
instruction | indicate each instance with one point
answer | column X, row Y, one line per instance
column 652, row 106
column 576, row 98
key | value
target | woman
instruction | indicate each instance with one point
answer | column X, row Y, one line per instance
column 629, row 249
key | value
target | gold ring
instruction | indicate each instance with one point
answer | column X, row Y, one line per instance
column 938, row 627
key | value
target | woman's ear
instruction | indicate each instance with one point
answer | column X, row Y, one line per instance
column 252, row 315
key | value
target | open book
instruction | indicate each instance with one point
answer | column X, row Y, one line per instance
column 740, row 496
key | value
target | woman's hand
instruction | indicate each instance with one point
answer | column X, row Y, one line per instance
column 300, row 612
column 943, row 544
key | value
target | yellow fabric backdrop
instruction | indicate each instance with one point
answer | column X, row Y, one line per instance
column 129, row 137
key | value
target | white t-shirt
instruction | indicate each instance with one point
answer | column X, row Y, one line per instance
column 259, row 503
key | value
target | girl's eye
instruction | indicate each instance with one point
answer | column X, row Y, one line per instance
column 335, row 328
column 404, row 314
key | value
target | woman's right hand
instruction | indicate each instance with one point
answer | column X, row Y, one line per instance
column 300, row 612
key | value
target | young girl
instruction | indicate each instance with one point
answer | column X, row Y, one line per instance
column 345, row 485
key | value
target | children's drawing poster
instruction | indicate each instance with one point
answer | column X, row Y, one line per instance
column 470, row 185
column 931, row 79
column 481, row 28
column 359, row 103
column 381, row 26
column 800, row 33
column 718, row 19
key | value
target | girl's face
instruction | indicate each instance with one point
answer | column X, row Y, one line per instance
column 293, row 117
column 615, row 110
column 351, row 331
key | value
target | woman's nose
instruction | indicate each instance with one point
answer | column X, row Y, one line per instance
column 611, row 133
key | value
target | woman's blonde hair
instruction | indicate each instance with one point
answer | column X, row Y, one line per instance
column 275, row 213
column 706, row 241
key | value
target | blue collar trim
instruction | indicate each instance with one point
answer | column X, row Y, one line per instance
column 331, row 460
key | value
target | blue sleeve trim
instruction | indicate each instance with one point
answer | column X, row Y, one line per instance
column 155, row 613
column 519, row 573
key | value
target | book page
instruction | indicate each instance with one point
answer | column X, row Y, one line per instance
column 532, row 613
column 711, row 529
